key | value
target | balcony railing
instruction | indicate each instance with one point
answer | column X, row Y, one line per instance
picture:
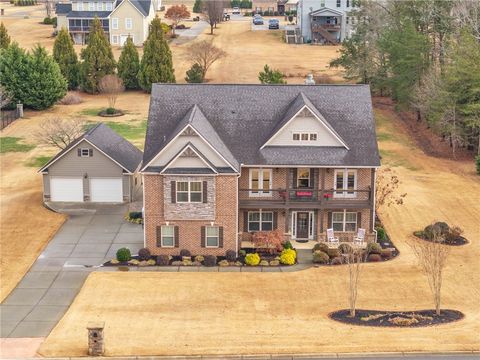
column 84, row 28
column 307, row 196
column 317, row 26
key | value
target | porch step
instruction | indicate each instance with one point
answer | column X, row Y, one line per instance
column 304, row 256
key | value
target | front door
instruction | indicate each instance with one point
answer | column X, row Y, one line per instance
column 302, row 225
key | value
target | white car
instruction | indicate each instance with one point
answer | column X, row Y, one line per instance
column 236, row 10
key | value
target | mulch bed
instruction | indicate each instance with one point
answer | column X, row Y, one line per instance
column 459, row 241
column 104, row 113
column 397, row 318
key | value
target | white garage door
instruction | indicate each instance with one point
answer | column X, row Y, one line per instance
column 66, row 189
column 106, row 190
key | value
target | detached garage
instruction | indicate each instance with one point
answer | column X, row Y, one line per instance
column 100, row 166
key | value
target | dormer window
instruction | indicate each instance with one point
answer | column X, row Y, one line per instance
column 304, row 136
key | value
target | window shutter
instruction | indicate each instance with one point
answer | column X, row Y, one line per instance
column 220, row 236
column 202, row 241
column 90, row 152
column 159, row 236
column 330, row 218
column 79, row 152
column 175, row 234
column 294, row 181
column 245, row 221
column 173, row 189
column 274, row 220
column 204, row 191
column 359, row 220
column 313, row 172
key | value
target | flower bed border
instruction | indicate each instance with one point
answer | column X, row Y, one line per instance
column 447, row 316
column 117, row 113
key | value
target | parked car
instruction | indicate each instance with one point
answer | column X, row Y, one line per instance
column 257, row 20
column 236, row 10
column 273, row 24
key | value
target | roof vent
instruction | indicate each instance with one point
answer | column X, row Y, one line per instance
column 309, row 80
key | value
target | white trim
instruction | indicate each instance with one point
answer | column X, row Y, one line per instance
column 189, row 191
column 260, row 212
column 200, row 136
column 81, row 152
column 218, row 237
column 311, row 224
column 344, row 219
column 161, row 237
column 322, row 121
column 260, row 192
column 201, row 156
column 103, row 178
column 130, row 4
column 345, row 193
column 116, row 20
column 127, row 22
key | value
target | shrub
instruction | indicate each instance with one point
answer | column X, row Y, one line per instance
column 440, row 228
column 386, row 254
column 272, row 240
column 199, row 258
column 374, row 248
column 345, row 248
column 223, row 263
column 195, row 74
column 133, row 262
column 453, row 234
column 320, row 257
column 320, row 247
column 288, row 257
column 210, row 260
column 144, row 254
column 48, row 21
column 123, row 254
column 71, row 99
column 374, row 257
column 135, row 214
column 274, row 262
column 185, row 252
column 419, row 234
column 477, row 164
column 231, row 255
column 380, row 233
column 163, row 260
column 252, row 259
column 333, row 253
column 264, row 263
column 110, row 111
column 287, row 245
column 337, row 261
column 242, row 253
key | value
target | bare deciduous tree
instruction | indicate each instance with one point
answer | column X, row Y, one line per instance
column 213, row 10
column 60, row 132
column 205, row 53
column 49, row 6
column 432, row 257
column 111, row 85
column 353, row 259
column 386, row 189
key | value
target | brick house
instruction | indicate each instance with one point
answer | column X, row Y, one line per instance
column 224, row 161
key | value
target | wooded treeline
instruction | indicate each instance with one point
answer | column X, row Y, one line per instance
column 425, row 54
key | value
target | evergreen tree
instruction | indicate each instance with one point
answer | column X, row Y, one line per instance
column 65, row 56
column 46, row 84
column 156, row 65
column 271, row 76
column 197, row 7
column 14, row 67
column 128, row 65
column 4, row 37
column 195, row 74
column 97, row 57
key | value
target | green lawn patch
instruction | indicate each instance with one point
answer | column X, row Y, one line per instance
column 38, row 161
column 130, row 130
column 394, row 159
column 382, row 136
column 90, row 112
column 11, row 144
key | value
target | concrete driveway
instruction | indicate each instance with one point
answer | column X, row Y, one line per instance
column 84, row 242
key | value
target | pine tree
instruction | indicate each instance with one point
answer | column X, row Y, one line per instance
column 156, row 65
column 14, row 67
column 46, row 84
column 65, row 56
column 271, row 76
column 4, row 37
column 128, row 65
column 195, row 74
column 197, row 7
column 97, row 57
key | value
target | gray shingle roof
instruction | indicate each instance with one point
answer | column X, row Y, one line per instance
column 62, row 9
column 142, row 5
column 244, row 116
column 109, row 142
column 88, row 14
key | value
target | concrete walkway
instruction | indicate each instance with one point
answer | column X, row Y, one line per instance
column 44, row 294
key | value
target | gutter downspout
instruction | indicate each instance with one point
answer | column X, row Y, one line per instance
column 237, row 210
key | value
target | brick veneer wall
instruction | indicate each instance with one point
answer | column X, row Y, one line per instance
column 190, row 230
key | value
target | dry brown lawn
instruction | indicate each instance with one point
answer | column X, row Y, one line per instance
column 239, row 313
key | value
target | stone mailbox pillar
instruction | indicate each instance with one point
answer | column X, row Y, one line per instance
column 20, row 110
column 96, row 345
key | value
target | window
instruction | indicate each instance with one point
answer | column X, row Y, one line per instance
column 168, row 236
column 189, row 191
column 128, row 23
column 348, row 3
column 339, row 3
column 80, row 6
column 91, row 6
column 260, row 221
column 347, row 19
column 114, row 39
column 303, row 178
column 344, row 221
column 304, row 136
column 345, row 182
column 115, row 24
column 212, row 236
column 108, row 6
column 260, row 182
column 322, row 3
column 99, row 6
column 84, row 152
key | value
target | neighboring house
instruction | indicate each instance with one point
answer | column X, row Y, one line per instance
column 325, row 21
column 120, row 18
column 275, row 7
column 224, row 161
column 99, row 166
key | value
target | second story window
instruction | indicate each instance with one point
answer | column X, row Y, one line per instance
column 189, row 191
column 260, row 182
column 99, row 6
column 339, row 3
column 303, row 178
column 345, row 183
column 114, row 23
column 128, row 24
column 322, row 3
column 304, row 136
column 80, row 6
column 108, row 6
column 348, row 3
column 91, row 6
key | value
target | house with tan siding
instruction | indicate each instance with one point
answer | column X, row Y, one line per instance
column 222, row 162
